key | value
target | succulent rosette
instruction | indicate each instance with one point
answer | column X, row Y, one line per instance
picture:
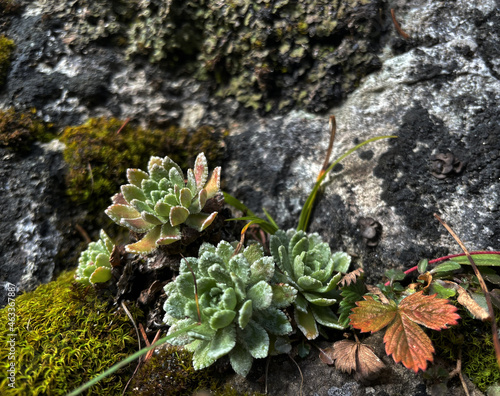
column 94, row 263
column 157, row 202
column 240, row 310
column 307, row 264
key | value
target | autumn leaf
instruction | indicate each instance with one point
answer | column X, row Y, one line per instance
column 351, row 277
column 404, row 339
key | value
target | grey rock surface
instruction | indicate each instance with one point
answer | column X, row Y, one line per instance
column 438, row 91
column 35, row 217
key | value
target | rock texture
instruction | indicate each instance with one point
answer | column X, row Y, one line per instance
column 438, row 91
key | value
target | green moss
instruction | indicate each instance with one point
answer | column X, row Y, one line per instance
column 170, row 372
column 98, row 157
column 64, row 337
column 19, row 130
column 473, row 337
column 6, row 48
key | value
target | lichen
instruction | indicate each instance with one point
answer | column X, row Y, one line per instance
column 19, row 130
column 98, row 156
column 6, row 48
column 64, row 337
column 257, row 52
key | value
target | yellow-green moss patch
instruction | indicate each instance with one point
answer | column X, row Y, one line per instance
column 64, row 337
column 6, row 48
column 98, row 156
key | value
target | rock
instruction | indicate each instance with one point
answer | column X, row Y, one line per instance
column 35, row 218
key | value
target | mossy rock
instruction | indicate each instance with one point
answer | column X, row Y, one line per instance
column 65, row 336
column 19, row 130
column 98, row 156
column 6, row 48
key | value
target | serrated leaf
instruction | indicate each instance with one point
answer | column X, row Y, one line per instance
column 283, row 295
column 404, row 339
column 253, row 253
column 274, row 321
column 262, row 270
column 255, row 339
column 351, row 277
column 222, row 343
column 241, row 360
column 261, row 294
column 350, row 294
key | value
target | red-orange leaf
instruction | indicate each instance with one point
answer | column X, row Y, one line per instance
column 404, row 339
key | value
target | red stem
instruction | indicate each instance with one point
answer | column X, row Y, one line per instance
column 409, row 271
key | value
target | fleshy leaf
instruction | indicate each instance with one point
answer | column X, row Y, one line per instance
column 262, row 269
column 100, row 275
column 325, row 316
column 185, row 197
column 404, row 339
column 222, row 343
column 256, row 339
column 213, row 185
column 200, row 221
column 222, row 319
column 136, row 176
column 131, row 192
column 200, row 171
column 178, row 215
column 146, row 244
column 245, row 314
column 118, row 211
column 274, row 321
column 283, row 295
column 307, row 324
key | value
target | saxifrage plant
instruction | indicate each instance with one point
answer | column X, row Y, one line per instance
column 94, row 263
column 307, row 264
column 157, row 202
column 239, row 308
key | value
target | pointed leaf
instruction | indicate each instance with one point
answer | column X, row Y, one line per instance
column 178, row 215
column 146, row 244
column 306, row 323
column 213, row 185
column 200, row 221
column 200, row 171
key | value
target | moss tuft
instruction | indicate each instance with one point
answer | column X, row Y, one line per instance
column 473, row 337
column 19, row 130
column 98, row 157
column 64, row 337
column 170, row 372
column 6, row 48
